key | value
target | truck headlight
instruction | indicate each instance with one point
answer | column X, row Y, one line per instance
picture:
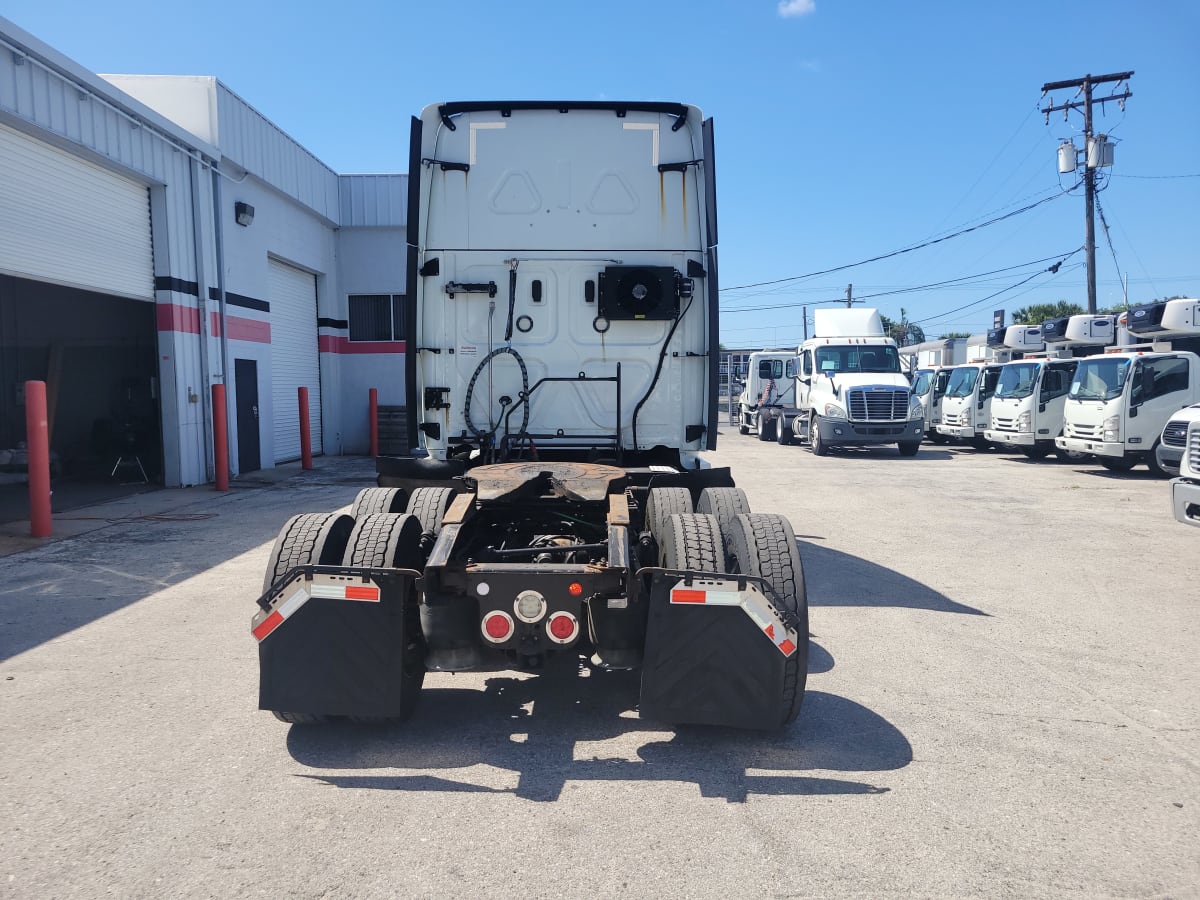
column 1025, row 422
column 1112, row 429
column 967, row 415
column 915, row 410
column 833, row 411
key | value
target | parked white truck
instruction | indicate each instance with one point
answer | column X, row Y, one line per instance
column 1031, row 393
column 766, row 389
column 929, row 386
column 1120, row 401
column 849, row 387
column 562, row 381
column 1185, row 489
column 967, row 405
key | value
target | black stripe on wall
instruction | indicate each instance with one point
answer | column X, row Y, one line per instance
column 240, row 300
column 178, row 285
column 332, row 323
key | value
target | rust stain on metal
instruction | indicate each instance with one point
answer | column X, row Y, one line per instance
column 570, row 480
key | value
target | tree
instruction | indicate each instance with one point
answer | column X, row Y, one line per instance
column 951, row 335
column 903, row 332
column 1037, row 313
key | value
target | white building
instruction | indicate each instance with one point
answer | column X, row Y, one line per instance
column 159, row 236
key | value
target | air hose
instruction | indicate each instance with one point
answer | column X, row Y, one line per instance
column 484, row 435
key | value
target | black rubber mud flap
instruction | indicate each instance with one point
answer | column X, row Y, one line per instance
column 339, row 657
column 708, row 665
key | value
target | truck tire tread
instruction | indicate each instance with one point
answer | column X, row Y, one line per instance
column 764, row 545
column 661, row 504
column 726, row 503
column 306, row 540
column 379, row 500
column 693, row 541
column 429, row 505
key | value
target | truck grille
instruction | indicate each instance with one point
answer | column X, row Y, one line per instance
column 954, row 419
column 877, row 405
column 1175, row 434
column 1191, row 460
column 1004, row 425
column 1091, row 432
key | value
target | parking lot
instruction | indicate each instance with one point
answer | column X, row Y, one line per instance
column 1003, row 700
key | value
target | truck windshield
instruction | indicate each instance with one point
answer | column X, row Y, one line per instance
column 921, row 384
column 962, row 382
column 1099, row 379
column 834, row 360
column 1017, row 380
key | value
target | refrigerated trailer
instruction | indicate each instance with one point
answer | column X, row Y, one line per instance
column 562, row 382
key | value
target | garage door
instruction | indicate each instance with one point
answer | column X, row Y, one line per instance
column 68, row 221
column 295, row 361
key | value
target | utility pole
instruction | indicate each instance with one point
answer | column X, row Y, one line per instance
column 1091, row 161
column 849, row 295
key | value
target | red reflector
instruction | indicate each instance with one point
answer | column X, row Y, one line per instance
column 787, row 647
column 267, row 625
column 684, row 596
column 497, row 627
column 575, row 588
column 562, row 627
column 362, row 593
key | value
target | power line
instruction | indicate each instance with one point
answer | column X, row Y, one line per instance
column 1194, row 175
column 929, row 243
column 1051, row 269
column 904, row 290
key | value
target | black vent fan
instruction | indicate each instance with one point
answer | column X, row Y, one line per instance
column 638, row 292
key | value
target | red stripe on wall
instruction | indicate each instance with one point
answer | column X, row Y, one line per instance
column 243, row 329
column 173, row 317
column 333, row 343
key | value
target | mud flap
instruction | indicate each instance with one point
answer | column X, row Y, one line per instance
column 715, row 653
column 333, row 642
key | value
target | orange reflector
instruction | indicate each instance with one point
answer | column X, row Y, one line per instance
column 680, row 595
column 267, row 625
column 362, row 593
column 787, row 647
column 575, row 588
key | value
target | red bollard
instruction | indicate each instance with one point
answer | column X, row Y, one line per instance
column 220, row 437
column 374, row 419
column 37, row 447
column 305, row 434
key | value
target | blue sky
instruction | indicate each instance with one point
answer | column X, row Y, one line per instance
column 845, row 130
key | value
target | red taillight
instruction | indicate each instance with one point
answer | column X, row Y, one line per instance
column 497, row 626
column 575, row 588
column 562, row 628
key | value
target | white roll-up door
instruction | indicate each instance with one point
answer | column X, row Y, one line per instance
column 295, row 361
column 68, row 221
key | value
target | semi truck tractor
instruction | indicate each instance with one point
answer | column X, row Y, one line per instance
column 766, row 389
column 1120, row 401
column 849, row 387
column 562, row 384
column 1031, row 393
column 1185, row 489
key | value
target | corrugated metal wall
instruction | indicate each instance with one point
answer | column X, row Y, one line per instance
column 372, row 201
column 253, row 142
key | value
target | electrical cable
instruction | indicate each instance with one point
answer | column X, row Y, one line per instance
column 662, row 355
column 1108, row 236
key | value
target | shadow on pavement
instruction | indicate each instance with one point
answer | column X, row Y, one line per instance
column 532, row 726
column 834, row 578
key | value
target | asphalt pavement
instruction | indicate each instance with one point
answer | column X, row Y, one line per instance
column 1003, row 701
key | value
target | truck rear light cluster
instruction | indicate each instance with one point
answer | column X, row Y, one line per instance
column 562, row 628
column 530, row 606
column 497, row 626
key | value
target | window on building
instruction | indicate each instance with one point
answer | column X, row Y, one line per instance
column 377, row 317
